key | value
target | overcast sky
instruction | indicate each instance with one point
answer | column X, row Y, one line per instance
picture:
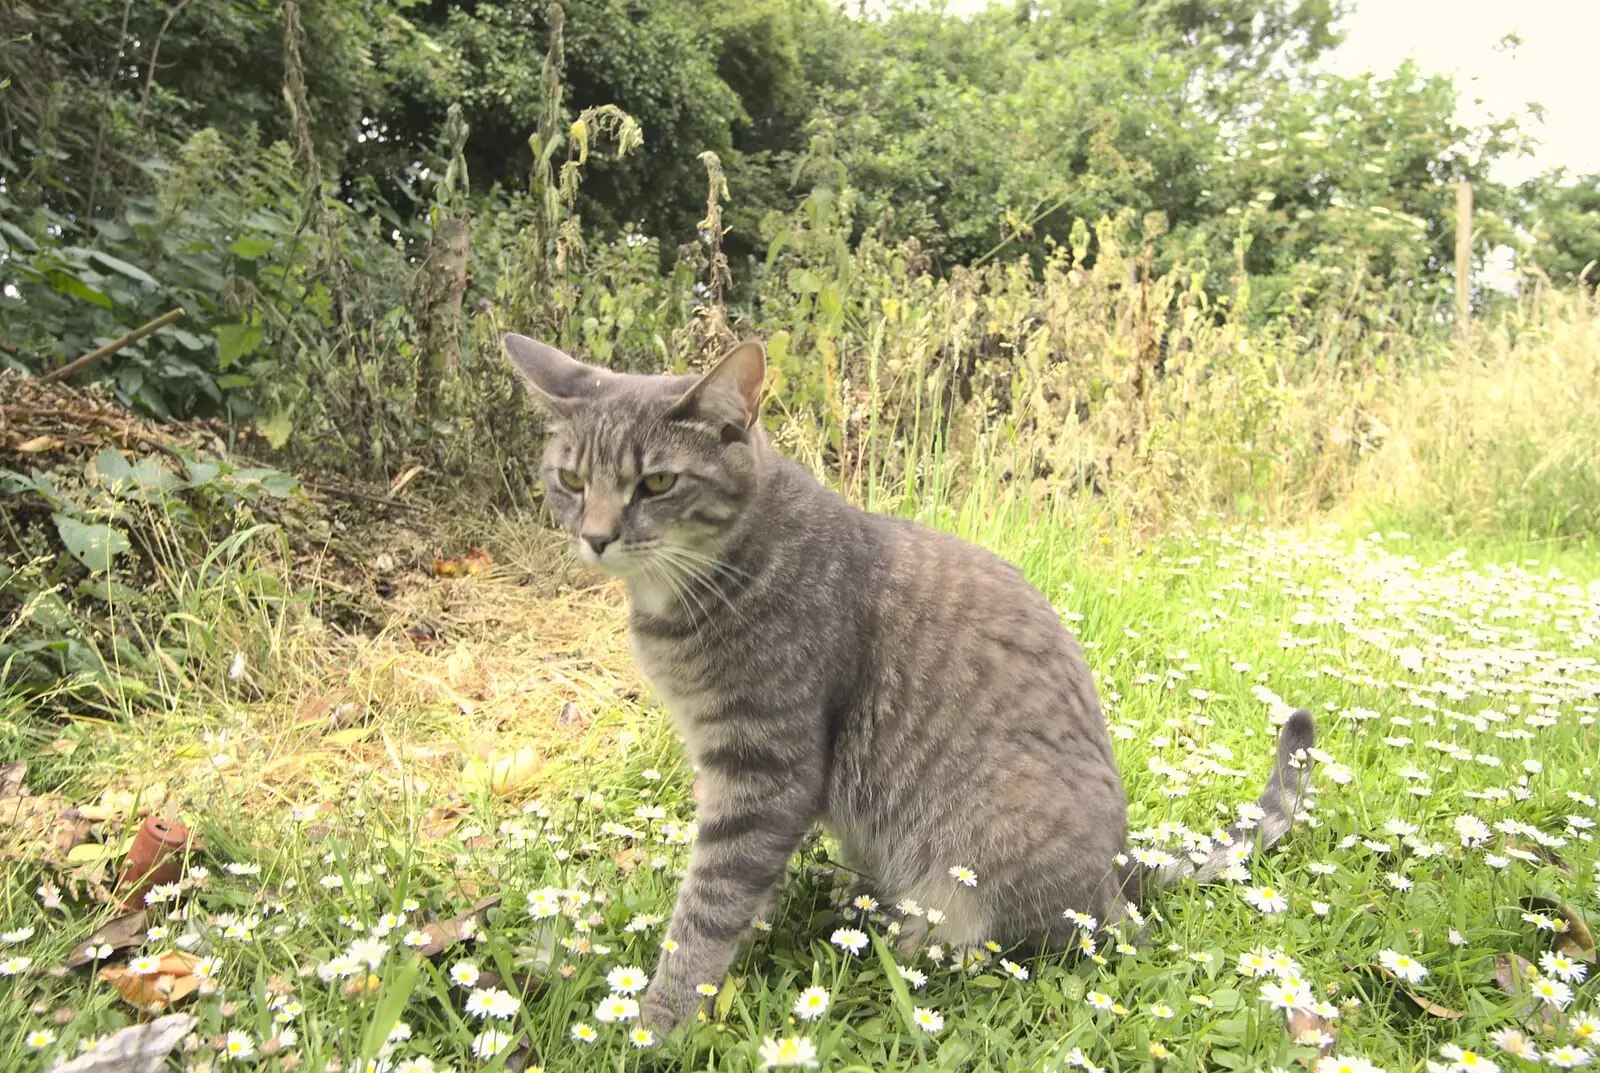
column 1555, row 65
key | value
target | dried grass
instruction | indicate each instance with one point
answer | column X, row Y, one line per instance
column 531, row 654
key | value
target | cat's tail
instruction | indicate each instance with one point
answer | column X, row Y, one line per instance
column 1276, row 808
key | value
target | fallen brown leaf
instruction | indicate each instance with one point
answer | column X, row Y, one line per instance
column 441, row 821
column 629, row 859
column 1573, row 937
column 120, row 933
column 1578, row 941
column 38, row 444
column 502, row 773
column 1515, row 975
column 475, row 561
column 1425, row 1005
column 173, row 982
column 521, row 983
column 367, row 983
column 443, row 934
column 1307, row 1029
column 11, row 776
column 45, row 827
column 399, row 483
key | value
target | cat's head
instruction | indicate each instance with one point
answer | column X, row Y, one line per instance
column 649, row 474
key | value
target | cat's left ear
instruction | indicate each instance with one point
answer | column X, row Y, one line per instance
column 729, row 396
column 557, row 382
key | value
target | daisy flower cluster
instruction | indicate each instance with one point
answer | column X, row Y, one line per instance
column 1452, row 823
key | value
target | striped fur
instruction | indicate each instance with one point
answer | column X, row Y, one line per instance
column 909, row 691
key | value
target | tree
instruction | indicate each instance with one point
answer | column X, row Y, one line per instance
column 1563, row 219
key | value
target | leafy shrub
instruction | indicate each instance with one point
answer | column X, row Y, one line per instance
column 126, row 580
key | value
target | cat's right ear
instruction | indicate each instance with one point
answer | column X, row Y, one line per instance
column 557, row 382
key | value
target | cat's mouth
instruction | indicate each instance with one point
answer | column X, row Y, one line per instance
column 616, row 558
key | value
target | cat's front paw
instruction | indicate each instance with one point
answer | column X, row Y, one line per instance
column 662, row 1011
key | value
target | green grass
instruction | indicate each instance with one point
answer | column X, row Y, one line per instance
column 1468, row 673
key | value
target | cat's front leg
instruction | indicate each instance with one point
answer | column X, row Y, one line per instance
column 757, row 804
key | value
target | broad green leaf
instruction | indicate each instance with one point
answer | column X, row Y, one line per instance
column 277, row 428
column 123, row 268
column 279, row 485
column 66, row 283
column 235, row 341
column 90, row 852
column 726, row 995
column 392, row 1003
column 151, row 476
column 778, row 243
column 778, row 348
column 13, row 483
column 19, row 237
column 110, row 467
column 831, row 302
column 201, row 472
column 804, row 281
column 95, row 546
column 250, row 247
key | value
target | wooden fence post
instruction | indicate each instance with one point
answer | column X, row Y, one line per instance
column 1463, row 255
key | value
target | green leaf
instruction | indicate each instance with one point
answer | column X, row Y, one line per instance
column 778, row 348
column 250, row 247
column 235, row 341
column 279, row 485
column 987, row 982
column 13, row 483
column 77, row 288
column 110, row 467
column 725, row 996
column 778, row 243
column 831, row 301
column 123, row 268
column 151, row 476
column 804, row 281
column 396, row 993
column 21, row 238
column 897, row 984
column 95, row 546
column 952, row 1052
column 201, row 473
column 277, row 429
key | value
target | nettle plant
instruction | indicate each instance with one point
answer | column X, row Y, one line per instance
column 123, row 579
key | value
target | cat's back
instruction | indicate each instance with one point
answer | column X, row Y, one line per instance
column 949, row 591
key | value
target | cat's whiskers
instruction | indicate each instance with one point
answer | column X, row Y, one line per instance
column 697, row 574
column 719, row 564
column 663, row 571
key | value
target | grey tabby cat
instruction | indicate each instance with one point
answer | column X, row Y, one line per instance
column 908, row 690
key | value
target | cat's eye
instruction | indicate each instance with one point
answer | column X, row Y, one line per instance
column 656, row 483
column 570, row 480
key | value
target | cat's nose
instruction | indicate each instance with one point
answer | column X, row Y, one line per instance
column 599, row 542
